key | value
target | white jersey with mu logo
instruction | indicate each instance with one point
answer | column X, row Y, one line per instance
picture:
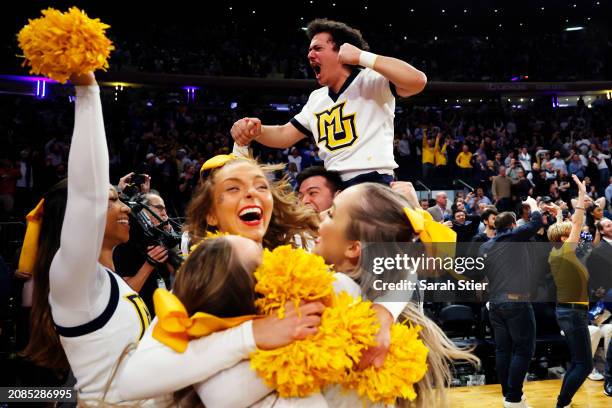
column 353, row 128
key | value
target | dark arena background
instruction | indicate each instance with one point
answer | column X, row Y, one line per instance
column 525, row 85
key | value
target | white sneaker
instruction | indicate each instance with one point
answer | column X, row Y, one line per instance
column 522, row 404
column 595, row 375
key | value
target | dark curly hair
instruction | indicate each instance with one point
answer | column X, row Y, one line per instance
column 340, row 33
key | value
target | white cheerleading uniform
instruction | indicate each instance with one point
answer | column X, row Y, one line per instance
column 97, row 315
column 353, row 128
column 95, row 312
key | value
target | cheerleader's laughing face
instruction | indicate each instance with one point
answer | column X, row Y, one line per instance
column 242, row 201
column 117, row 229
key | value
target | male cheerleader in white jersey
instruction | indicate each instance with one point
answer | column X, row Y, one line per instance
column 351, row 116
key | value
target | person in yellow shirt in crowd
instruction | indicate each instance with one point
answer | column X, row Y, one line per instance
column 428, row 156
column 464, row 162
column 571, row 279
column 440, row 157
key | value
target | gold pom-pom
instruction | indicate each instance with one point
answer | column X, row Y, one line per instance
column 405, row 365
column 348, row 327
column 58, row 44
column 306, row 366
column 291, row 274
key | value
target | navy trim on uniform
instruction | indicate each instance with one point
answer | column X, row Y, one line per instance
column 334, row 96
column 393, row 89
column 300, row 127
column 98, row 322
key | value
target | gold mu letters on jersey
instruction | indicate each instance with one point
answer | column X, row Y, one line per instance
column 336, row 129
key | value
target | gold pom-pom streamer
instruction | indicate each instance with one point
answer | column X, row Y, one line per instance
column 306, row 366
column 291, row 274
column 348, row 327
column 405, row 365
column 58, row 44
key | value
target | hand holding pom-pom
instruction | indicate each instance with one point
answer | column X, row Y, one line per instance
column 58, row 44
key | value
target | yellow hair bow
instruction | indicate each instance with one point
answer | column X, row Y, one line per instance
column 215, row 162
column 175, row 328
column 429, row 231
column 29, row 250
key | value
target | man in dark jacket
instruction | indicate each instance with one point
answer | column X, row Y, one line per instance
column 507, row 268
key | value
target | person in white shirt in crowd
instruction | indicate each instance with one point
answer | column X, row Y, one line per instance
column 512, row 170
column 558, row 163
column 525, row 159
column 599, row 264
column 600, row 158
column 509, row 158
column 295, row 158
column 550, row 172
column 608, row 194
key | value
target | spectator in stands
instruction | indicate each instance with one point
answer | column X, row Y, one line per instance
column 576, row 166
column 428, row 156
column 466, row 226
column 608, row 194
column 525, row 158
column 440, row 211
column 440, row 157
column 497, row 162
column 23, row 192
column 594, row 214
column 512, row 170
column 473, row 200
column 464, row 163
column 600, row 159
column 487, row 218
column 558, row 163
column 522, row 187
column 295, row 158
column 480, row 171
column 186, row 185
column 599, row 265
column 501, row 190
column 292, row 174
column 571, row 278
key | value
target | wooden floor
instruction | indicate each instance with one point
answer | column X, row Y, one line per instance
column 540, row 394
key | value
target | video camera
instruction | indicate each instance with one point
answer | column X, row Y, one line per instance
column 145, row 234
column 133, row 188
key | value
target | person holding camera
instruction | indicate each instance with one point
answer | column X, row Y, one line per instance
column 145, row 266
column 132, row 184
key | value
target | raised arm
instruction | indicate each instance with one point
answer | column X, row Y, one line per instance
column 407, row 79
column 578, row 217
column 75, row 279
column 248, row 129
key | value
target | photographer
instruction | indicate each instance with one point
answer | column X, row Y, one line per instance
column 148, row 260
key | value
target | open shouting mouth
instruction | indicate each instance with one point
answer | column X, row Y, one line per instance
column 316, row 68
column 251, row 215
